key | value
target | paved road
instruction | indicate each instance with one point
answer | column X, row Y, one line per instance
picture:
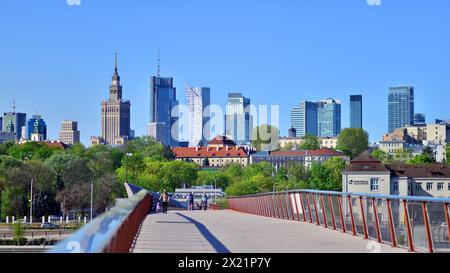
column 229, row 231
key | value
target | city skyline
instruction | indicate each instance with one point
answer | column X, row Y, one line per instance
column 296, row 65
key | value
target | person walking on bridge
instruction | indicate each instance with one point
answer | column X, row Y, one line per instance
column 190, row 200
column 165, row 201
column 205, row 202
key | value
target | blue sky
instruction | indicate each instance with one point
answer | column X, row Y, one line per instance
column 57, row 59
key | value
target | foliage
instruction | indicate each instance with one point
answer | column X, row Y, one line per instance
column 402, row 156
column 381, row 155
column 353, row 141
column 18, row 231
column 265, row 138
column 310, row 142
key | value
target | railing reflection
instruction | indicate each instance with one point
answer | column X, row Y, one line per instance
column 113, row 231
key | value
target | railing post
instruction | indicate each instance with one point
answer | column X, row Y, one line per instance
column 333, row 221
column 427, row 227
column 278, row 206
column 296, row 206
column 447, row 219
column 391, row 223
column 408, row 227
column 351, row 215
column 290, row 205
column 315, row 209
column 377, row 222
column 363, row 216
column 324, row 212
column 281, row 205
column 302, row 207
column 309, row 208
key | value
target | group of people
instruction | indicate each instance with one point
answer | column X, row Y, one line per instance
column 165, row 198
column 203, row 205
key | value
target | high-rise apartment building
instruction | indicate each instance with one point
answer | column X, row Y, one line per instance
column 419, row 119
column 356, row 111
column 69, row 133
column 304, row 118
column 400, row 107
column 199, row 100
column 329, row 118
column 238, row 119
column 115, row 113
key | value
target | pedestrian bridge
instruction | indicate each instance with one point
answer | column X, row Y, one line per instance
column 281, row 222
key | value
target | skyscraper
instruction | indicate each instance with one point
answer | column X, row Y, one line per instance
column 400, row 107
column 329, row 118
column 238, row 120
column 13, row 122
column 356, row 111
column 69, row 133
column 163, row 114
column 199, row 115
column 32, row 123
column 304, row 118
column 115, row 113
column 419, row 120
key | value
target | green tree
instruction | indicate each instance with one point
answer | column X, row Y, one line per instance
column 402, row 156
column 335, row 166
column 58, row 163
column 380, row 155
column 447, row 149
column 310, row 142
column 135, row 166
column 176, row 174
column 265, row 138
column 353, row 141
column 420, row 159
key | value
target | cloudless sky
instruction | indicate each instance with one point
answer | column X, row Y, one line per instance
column 58, row 60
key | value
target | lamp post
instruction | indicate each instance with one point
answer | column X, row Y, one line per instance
column 31, row 202
column 126, row 166
column 92, row 198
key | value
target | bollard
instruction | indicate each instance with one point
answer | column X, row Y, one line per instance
column 85, row 219
column 43, row 219
column 60, row 220
column 79, row 219
column 24, row 219
column 67, row 219
column 49, row 219
column 13, row 219
column 7, row 219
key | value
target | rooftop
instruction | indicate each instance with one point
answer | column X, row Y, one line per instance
column 303, row 153
column 209, row 152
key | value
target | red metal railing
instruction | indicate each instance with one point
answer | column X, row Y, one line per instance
column 416, row 223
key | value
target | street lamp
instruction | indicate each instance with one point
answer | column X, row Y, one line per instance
column 126, row 166
column 31, row 202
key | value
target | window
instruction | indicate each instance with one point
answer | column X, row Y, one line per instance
column 374, row 184
column 449, row 186
column 418, row 186
column 395, row 186
column 429, row 186
column 440, row 186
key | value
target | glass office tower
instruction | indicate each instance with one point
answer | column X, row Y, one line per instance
column 356, row 111
column 329, row 118
column 199, row 100
column 400, row 107
column 238, row 120
column 304, row 118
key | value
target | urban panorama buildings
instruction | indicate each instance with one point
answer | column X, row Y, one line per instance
column 69, row 133
column 321, row 118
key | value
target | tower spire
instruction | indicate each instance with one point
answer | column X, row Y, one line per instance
column 14, row 105
column 158, row 69
column 115, row 67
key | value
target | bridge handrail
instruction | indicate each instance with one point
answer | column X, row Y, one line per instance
column 113, row 231
column 368, row 195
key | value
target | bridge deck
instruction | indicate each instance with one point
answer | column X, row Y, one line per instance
column 229, row 231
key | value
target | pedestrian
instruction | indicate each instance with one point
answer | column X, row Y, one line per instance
column 205, row 202
column 165, row 201
column 190, row 200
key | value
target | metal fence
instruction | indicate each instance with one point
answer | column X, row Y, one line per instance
column 417, row 223
column 113, row 231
